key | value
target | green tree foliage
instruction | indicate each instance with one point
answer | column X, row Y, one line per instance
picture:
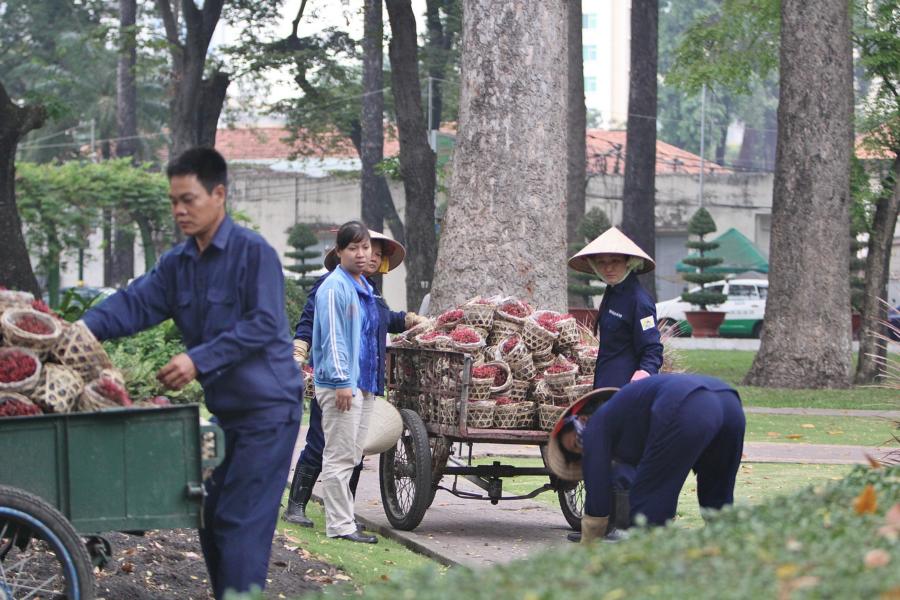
column 61, row 205
column 595, row 222
column 300, row 238
column 702, row 224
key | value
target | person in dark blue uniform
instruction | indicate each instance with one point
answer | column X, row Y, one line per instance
column 387, row 254
column 663, row 425
column 630, row 347
column 224, row 288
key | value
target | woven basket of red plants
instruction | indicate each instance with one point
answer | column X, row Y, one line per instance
column 465, row 339
column 479, row 313
column 448, row 320
column 29, row 328
column 17, row 405
column 78, row 349
column 102, row 393
column 14, row 299
column 20, row 370
column 560, row 375
column 540, row 331
column 58, row 389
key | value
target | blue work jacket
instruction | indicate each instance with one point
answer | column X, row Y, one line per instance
column 228, row 304
column 388, row 322
column 629, row 337
column 619, row 428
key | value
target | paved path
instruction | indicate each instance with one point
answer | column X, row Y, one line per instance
column 825, row 412
column 692, row 343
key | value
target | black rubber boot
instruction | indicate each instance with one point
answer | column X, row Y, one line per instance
column 301, row 491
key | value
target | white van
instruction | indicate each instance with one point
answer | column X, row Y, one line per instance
column 744, row 309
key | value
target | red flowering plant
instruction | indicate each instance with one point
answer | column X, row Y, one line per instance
column 504, row 400
column 487, row 372
column 33, row 324
column 465, row 335
column 450, row 317
column 561, row 365
column 548, row 320
column 432, row 335
column 16, row 366
column 111, row 390
column 509, row 344
column 514, row 308
column 11, row 407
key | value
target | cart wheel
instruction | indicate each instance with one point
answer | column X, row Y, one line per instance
column 40, row 553
column 571, row 501
column 405, row 475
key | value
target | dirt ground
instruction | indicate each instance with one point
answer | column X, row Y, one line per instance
column 168, row 565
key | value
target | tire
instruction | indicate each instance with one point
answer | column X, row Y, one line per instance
column 571, row 502
column 405, row 475
column 757, row 330
column 40, row 550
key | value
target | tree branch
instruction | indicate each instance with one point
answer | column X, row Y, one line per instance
column 169, row 23
column 296, row 22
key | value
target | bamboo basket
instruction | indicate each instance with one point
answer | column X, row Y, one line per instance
column 548, row 415
column 58, row 389
column 448, row 411
column 92, row 400
column 523, row 369
column 13, row 335
column 510, row 416
column 518, row 390
column 480, row 315
column 537, row 338
column 15, row 299
column 569, row 334
column 574, row 392
column 480, row 389
column 480, row 414
column 78, row 349
column 558, row 382
column 23, row 386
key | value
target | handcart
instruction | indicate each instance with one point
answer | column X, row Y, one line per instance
column 431, row 390
column 65, row 478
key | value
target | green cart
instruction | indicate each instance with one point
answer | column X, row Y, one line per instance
column 66, row 478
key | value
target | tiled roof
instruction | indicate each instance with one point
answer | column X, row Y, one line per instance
column 605, row 149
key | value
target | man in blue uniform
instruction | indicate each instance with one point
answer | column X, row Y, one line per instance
column 224, row 288
column 665, row 426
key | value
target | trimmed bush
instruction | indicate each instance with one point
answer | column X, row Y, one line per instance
column 700, row 225
column 815, row 544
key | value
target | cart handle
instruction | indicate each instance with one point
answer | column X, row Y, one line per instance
column 219, row 446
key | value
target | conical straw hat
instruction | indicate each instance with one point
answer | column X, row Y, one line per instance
column 393, row 249
column 612, row 241
column 385, row 428
column 556, row 461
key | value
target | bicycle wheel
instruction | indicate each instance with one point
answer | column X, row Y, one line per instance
column 571, row 502
column 41, row 555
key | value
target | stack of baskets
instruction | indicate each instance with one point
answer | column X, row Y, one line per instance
column 548, row 360
column 50, row 366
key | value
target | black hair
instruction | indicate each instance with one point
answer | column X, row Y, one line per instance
column 208, row 165
column 567, row 454
column 351, row 232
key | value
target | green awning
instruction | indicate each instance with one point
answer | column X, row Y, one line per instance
column 739, row 252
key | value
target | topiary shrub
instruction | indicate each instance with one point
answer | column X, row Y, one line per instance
column 702, row 224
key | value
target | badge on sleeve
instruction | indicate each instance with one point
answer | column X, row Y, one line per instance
column 647, row 323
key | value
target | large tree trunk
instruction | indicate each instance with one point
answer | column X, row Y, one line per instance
column 806, row 341
column 417, row 160
column 195, row 103
column 439, row 41
column 372, row 147
column 576, row 124
column 878, row 262
column 504, row 230
column 639, row 193
column 15, row 265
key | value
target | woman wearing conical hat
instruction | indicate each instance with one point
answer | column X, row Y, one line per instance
column 626, row 320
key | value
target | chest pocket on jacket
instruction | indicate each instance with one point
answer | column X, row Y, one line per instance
column 221, row 310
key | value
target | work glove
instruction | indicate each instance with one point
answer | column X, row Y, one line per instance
column 301, row 351
column 412, row 319
column 593, row 528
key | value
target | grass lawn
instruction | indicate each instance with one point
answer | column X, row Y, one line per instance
column 756, row 483
column 818, row 430
column 732, row 365
column 366, row 564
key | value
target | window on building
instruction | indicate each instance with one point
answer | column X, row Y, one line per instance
column 590, row 84
column 589, row 21
column 589, row 53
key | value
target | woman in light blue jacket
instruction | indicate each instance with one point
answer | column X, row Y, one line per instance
column 345, row 356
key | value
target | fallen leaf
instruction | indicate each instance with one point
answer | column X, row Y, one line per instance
column 773, row 434
column 127, row 567
column 793, row 545
column 891, row 594
column 866, row 502
column 786, row 571
column 808, row 426
column 793, row 436
column 835, row 432
column 873, row 463
column 876, row 558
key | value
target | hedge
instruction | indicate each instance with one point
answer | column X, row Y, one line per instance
column 815, row 544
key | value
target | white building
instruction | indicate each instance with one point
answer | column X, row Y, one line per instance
column 606, row 41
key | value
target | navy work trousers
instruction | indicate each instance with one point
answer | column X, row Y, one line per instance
column 705, row 432
column 241, row 507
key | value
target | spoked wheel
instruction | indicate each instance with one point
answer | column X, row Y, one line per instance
column 440, row 452
column 571, row 502
column 41, row 556
column 405, row 475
